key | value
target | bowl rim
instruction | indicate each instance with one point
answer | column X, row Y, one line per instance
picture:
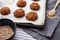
column 12, row 28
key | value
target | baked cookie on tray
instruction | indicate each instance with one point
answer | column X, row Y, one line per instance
column 5, row 10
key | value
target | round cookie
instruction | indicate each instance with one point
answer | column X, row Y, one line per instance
column 21, row 3
column 35, row 6
column 32, row 16
column 5, row 10
column 19, row 13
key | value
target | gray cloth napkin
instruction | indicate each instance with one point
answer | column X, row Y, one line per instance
column 21, row 35
column 47, row 31
column 56, row 35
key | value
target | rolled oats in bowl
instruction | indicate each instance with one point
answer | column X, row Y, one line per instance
column 5, row 32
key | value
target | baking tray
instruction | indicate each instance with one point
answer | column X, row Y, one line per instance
column 22, row 21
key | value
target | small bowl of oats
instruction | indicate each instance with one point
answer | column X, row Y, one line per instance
column 7, row 29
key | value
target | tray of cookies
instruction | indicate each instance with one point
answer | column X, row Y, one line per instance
column 24, row 12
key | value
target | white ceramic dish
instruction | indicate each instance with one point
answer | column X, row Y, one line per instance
column 13, row 6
